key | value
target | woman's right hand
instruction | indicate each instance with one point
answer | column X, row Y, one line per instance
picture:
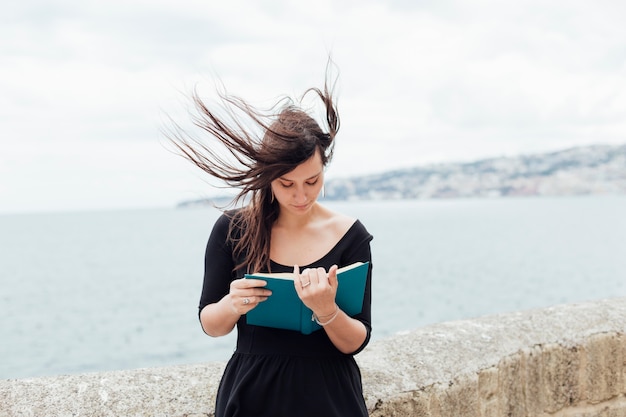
column 245, row 294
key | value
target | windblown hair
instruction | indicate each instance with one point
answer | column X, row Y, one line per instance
column 261, row 147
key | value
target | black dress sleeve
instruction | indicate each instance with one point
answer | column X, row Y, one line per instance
column 218, row 264
column 358, row 250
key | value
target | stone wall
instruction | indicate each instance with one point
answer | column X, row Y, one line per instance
column 564, row 361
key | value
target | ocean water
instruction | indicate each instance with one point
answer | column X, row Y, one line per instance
column 97, row 291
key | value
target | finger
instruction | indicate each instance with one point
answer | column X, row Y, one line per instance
column 261, row 293
column 320, row 275
column 297, row 283
column 241, row 304
column 297, row 275
column 304, row 278
column 253, row 300
column 260, row 299
column 247, row 293
column 309, row 276
column 252, row 283
column 332, row 276
column 242, row 283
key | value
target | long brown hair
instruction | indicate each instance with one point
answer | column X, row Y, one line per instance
column 261, row 146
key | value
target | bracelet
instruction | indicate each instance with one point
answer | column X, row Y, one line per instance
column 324, row 323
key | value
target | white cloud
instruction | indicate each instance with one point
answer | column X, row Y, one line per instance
column 419, row 82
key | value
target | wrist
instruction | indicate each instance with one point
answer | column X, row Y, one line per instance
column 327, row 312
column 326, row 319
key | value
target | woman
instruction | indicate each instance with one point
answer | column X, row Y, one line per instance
column 283, row 228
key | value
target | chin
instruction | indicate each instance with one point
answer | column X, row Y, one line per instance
column 302, row 209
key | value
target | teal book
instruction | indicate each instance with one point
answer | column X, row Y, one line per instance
column 284, row 309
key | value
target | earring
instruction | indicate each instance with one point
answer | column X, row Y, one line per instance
column 272, row 196
column 324, row 191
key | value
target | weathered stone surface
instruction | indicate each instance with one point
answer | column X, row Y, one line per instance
column 605, row 366
column 175, row 391
column 460, row 398
column 537, row 356
column 488, row 390
column 562, row 361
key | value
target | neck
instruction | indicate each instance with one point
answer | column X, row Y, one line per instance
column 293, row 221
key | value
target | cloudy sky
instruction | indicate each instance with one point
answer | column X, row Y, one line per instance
column 86, row 86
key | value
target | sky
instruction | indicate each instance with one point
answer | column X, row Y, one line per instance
column 87, row 87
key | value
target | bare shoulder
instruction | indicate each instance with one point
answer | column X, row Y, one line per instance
column 339, row 223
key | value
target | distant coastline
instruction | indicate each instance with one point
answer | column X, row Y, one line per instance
column 586, row 170
column 220, row 201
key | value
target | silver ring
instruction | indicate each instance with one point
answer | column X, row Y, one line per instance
column 246, row 301
column 306, row 284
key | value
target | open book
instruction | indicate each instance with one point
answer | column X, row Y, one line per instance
column 284, row 309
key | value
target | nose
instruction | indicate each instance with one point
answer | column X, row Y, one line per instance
column 300, row 195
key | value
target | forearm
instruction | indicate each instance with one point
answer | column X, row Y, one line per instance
column 346, row 333
column 219, row 319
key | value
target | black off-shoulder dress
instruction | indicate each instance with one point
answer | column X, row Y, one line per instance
column 276, row 372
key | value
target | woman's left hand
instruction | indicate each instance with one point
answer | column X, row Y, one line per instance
column 317, row 289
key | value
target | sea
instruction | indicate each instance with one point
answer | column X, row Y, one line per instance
column 110, row 290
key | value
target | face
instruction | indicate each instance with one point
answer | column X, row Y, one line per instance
column 297, row 190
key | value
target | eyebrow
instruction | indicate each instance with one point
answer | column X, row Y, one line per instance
column 310, row 178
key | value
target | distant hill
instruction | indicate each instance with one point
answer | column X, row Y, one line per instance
column 575, row 171
column 599, row 169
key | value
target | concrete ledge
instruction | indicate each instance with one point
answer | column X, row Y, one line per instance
column 563, row 361
column 174, row 391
